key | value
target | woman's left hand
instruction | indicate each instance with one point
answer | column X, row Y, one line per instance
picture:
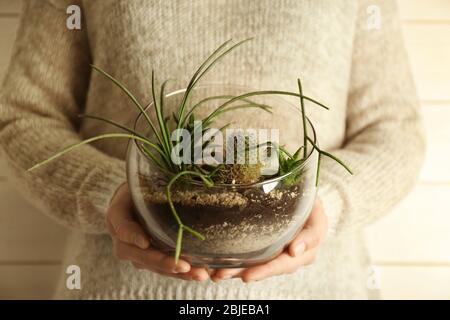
column 301, row 251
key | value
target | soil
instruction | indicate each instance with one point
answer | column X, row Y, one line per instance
column 233, row 222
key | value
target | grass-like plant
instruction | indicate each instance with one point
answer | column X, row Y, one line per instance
column 158, row 145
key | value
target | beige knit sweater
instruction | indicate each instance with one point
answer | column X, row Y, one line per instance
column 362, row 73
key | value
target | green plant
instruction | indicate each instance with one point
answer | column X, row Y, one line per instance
column 289, row 163
column 159, row 147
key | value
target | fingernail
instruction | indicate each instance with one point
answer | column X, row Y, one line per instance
column 299, row 248
column 141, row 242
column 199, row 278
column 181, row 269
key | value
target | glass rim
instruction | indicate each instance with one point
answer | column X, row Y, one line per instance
column 229, row 185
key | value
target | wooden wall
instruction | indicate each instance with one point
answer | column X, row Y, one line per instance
column 410, row 247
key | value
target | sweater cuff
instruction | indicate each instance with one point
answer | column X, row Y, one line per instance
column 333, row 205
column 96, row 193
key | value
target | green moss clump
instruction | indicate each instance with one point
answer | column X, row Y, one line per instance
column 239, row 173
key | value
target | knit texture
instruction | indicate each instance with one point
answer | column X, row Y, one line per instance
column 363, row 74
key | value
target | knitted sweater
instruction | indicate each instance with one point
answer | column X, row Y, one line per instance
column 361, row 72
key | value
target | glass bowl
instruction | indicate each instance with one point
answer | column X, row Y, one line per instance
column 243, row 225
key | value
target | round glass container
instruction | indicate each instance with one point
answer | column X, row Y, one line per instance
column 243, row 225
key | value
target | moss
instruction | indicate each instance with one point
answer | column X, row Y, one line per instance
column 239, row 173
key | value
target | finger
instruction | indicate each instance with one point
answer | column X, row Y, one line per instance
column 122, row 193
column 198, row 274
column 151, row 258
column 306, row 240
column 132, row 233
column 269, row 269
column 210, row 271
column 121, row 206
column 283, row 264
column 121, row 223
column 223, row 274
column 311, row 234
column 183, row 276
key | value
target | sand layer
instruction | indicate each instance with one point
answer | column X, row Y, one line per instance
column 233, row 222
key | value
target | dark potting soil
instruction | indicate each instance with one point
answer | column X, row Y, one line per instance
column 232, row 222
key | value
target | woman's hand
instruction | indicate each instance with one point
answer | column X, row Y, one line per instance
column 301, row 251
column 132, row 244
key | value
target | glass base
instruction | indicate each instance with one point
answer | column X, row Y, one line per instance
column 217, row 261
column 228, row 262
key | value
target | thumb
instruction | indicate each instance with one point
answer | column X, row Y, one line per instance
column 121, row 222
column 312, row 233
column 307, row 239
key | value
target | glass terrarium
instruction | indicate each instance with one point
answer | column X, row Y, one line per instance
column 194, row 194
column 242, row 222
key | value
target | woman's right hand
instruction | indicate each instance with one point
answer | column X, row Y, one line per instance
column 131, row 243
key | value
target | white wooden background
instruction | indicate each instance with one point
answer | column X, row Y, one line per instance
column 410, row 247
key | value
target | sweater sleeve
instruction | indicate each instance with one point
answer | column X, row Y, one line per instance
column 384, row 139
column 42, row 94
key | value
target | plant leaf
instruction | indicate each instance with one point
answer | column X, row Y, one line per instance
column 84, row 142
column 305, row 134
column 208, row 182
column 111, row 122
column 265, row 92
column 329, row 155
column 194, row 77
column 160, row 117
column 205, row 67
column 130, row 95
column 178, row 245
